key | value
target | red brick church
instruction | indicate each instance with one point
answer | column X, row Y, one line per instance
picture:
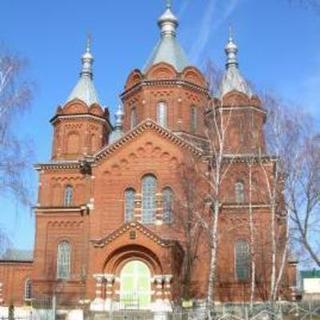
column 108, row 236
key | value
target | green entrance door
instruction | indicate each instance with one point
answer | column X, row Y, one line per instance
column 135, row 286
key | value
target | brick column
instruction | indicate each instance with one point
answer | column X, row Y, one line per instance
column 158, row 280
column 98, row 303
column 99, row 284
column 167, row 287
column 159, row 209
column 109, row 290
column 138, row 207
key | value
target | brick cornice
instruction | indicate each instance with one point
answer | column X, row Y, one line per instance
column 61, row 164
column 164, row 82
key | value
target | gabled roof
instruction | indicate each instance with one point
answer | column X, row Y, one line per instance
column 127, row 228
column 144, row 126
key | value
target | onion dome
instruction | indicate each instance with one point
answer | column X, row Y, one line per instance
column 85, row 89
column 232, row 78
column 168, row 49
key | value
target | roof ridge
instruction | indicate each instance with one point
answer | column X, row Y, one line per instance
column 147, row 123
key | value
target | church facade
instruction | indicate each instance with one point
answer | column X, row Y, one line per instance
column 111, row 202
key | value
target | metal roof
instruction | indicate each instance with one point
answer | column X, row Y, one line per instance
column 17, row 255
column 232, row 78
column 168, row 49
column 85, row 89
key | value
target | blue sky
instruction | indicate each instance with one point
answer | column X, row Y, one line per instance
column 279, row 47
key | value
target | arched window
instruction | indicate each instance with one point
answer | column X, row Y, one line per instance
column 28, row 290
column 149, row 188
column 63, row 260
column 193, row 122
column 239, row 192
column 167, row 195
column 162, row 114
column 68, row 196
column 129, row 197
column 133, row 118
column 242, row 260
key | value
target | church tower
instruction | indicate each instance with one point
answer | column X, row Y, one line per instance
column 81, row 125
column 168, row 90
column 247, row 117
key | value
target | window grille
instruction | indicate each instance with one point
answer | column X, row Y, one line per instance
column 63, row 260
column 68, row 196
column 149, row 187
column 129, row 196
column 162, row 114
column 242, row 256
column 167, row 195
column 239, row 192
column 27, row 290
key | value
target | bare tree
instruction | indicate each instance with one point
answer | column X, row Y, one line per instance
column 188, row 206
column 15, row 97
column 293, row 186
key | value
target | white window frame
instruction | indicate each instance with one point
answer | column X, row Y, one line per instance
column 68, row 196
column 28, row 289
column 162, row 114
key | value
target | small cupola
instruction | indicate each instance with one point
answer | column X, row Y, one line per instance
column 232, row 79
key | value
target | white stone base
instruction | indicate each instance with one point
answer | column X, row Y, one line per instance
column 97, row 304
column 19, row 312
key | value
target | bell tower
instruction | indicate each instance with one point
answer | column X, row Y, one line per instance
column 81, row 125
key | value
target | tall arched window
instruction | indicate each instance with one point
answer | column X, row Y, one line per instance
column 168, row 197
column 129, row 198
column 242, row 260
column 133, row 118
column 68, row 196
column 149, row 188
column 239, row 191
column 27, row 290
column 63, row 260
column 162, row 114
column 193, row 122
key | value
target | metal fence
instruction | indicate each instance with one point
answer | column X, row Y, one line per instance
column 279, row 311
column 227, row 311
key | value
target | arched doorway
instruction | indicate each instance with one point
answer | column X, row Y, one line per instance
column 135, row 285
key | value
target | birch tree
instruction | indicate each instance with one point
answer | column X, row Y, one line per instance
column 15, row 97
column 217, row 126
column 284, row 137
